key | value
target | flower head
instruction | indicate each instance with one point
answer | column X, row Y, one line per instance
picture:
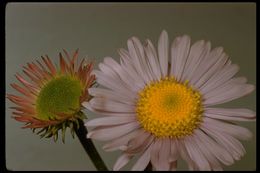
column 159, row 105
column 53, row 95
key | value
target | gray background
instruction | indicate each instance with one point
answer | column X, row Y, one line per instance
column 98, row 30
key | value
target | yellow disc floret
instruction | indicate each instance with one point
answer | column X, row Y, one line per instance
column 167, row 108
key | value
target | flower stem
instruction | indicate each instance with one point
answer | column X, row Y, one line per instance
column 90, row 147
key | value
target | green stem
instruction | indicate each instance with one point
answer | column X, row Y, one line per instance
column 90, row 147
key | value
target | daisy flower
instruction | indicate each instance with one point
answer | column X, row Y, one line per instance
column 51, row 98
column 158, row 105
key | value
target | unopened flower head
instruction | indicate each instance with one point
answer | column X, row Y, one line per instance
column 52, row 95
column 158, row 104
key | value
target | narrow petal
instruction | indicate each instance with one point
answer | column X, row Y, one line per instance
column 196, row 155
column 206, row 65
column 174, row 151
column 111, row 95
column 234, row 130
column 230, row 114
column 108, row 121
column 164, row 155
column 198, row 51
column 220, row 77
column 121, row 161
column 155, row 153
column 110, row 106
column 121, row 142
column 153, row 60
column 110, row 133
column 110, row 113
column 163, row 52
column 143, row 161
column 179, row 52
column 229, row 95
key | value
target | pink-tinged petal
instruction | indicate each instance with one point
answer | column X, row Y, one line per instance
column 231, row 129
column 113, row 132
column 205, row 65
column 49, row 64
column 184, row 154
column 200, row 145
column 124, row 76
column 139, row 143
column 156, row 147
column 214, row 68
column 198, row 51
column 196, row 155
column 220, row 77
column 111, row 95
column 121, row 142
column 22, row 90
column 163, row 52
column 232, row 145
column 227, row 86
column 152, row 60
column 141, row 55
column 127, row 64
column 112, row 83
column 122, row 161
column 143, row 160
column 164, row 155
column 110, row 106
column 179, row 52
column 174, row 151
column 101, row 112
column 217, row 150
column 229, row 95
column 108, row 121
column 133, row 51
column 238, row 114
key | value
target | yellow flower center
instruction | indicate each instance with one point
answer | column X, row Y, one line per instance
column 169, row 109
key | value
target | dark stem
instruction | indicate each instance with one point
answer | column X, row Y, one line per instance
column 90, row 147
column 149, row 167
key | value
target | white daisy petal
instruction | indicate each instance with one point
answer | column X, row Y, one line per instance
column 179, row 52
column 121, row 142
column 196, row 155
column 206, row 64
column 143, row 161
column 232, row 94
column 124, row 76
column 232, row 145
column 200, row 145
column 174, row 151
column 113, row 132
column 229, row 85
column 221, row 60
column 110, row 106
column 111, row 95
column 220, row 77
column 198, row 52
column 139, row 143
column 108, row 121
column 164, row 155
column 127, row 64
column 133, row 51
column 219, row 152
column 112, row 83
column 234, row 130
column 153, row 59
column 155, row 153
column 230, row 114
column 163, row 52
column 122, row 161
column 102, row 112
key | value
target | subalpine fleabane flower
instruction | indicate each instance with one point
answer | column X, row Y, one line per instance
column 52, row 96
column 160, row 107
